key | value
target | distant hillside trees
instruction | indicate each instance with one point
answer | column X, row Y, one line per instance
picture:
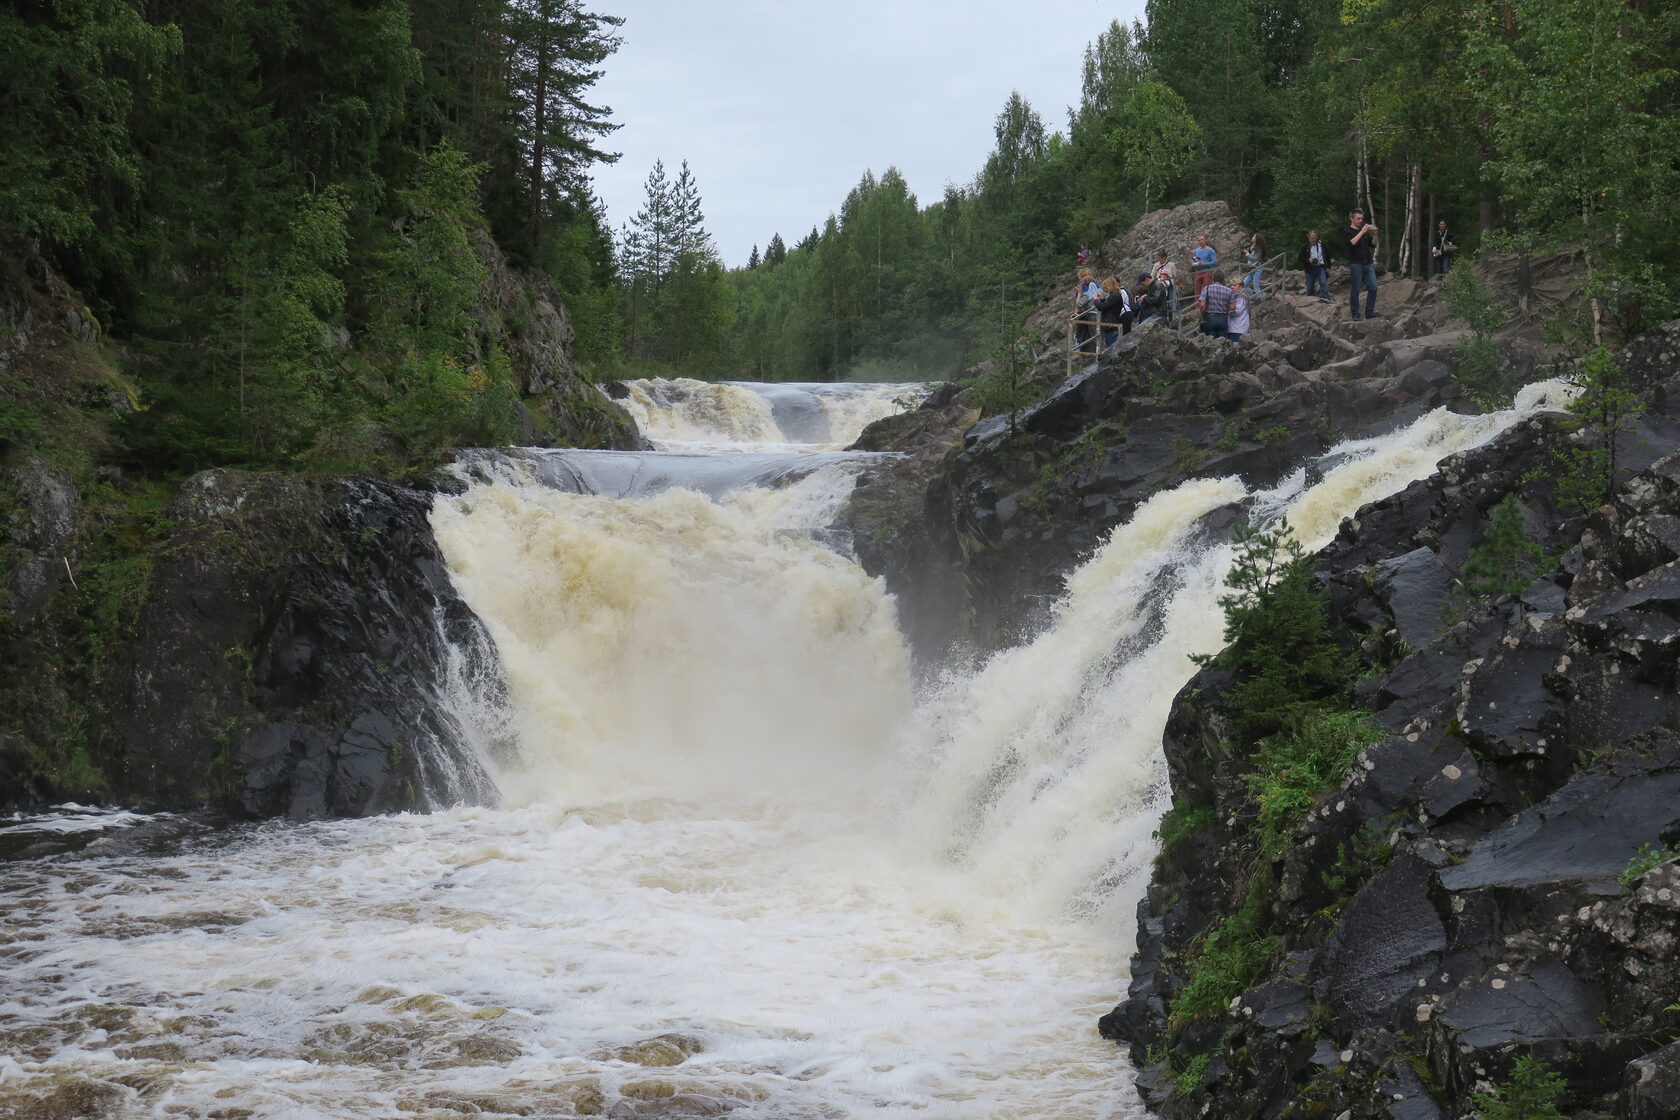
column 271, row 205
column 1543, row 125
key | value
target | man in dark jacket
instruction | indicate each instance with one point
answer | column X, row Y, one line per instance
column 1316, row 265
column 1361, row 240
column 1441, row 247
column 1115, row 307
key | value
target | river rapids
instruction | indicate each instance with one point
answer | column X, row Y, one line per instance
column 739, row 864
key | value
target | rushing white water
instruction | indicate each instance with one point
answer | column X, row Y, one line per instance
column 736, row 869
column 679, row 413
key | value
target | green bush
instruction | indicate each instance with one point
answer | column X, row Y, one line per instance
column 1589, row 467
column 1295, row 765
column 1181, row 822
column 1232, row 958
column 1532, row 1093
column 1280, row 648
column 1651, row 855
column 1190, row 1075
column 1480, row 364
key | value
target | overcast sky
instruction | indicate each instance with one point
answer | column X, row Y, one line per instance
column 779, row 108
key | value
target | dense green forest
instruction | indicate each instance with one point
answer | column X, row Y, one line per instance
column 277, row 210
column 1526, row 124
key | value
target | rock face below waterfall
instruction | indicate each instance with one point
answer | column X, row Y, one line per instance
column 1474, row 891
column 281, row 648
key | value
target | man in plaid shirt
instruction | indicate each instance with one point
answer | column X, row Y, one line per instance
column 1216, row 306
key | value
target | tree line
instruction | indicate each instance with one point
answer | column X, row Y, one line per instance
column 1528, row 125
column 277, row 209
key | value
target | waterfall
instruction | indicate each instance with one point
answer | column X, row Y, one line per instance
column 723, row 415
column 738, row 867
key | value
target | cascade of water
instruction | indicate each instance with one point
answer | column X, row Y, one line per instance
column 735, row 869
column 731, row 415
column 673, row 643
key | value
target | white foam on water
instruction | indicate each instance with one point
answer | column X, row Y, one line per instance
column 685, row 414
column 731, row 841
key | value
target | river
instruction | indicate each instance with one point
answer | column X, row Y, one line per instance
column 740, row 865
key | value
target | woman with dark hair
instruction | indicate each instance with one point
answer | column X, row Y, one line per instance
column 1255, row 257
column 1115, row 307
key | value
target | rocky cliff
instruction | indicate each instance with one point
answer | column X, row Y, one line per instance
column 1495, row 877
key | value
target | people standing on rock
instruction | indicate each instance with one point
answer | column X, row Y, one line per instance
column 1238, row 324
column 1168, row 288
column 1441, row 248
column 1146, row 297
column 1202, row 259
column 1215, row 302
column 1255, row 257
column 1084, row 310
column 1361, row 240
column 1084, row 255
column 1115, row 307
column 1164, row 264
column 1316, row 265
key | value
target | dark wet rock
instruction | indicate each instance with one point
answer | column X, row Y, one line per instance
column 894, row 527
column 1511, row 1007
column 1386, row 947
column 1651, row 1085
column 1284, row 1006
column 525, row 310
column 291, row 654
column 1584, row 833
column 1414, row 587
column 1470, row 893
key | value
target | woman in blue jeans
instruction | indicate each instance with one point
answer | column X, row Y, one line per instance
column 1255, row 257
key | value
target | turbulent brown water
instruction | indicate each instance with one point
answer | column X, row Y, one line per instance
column 737, row 868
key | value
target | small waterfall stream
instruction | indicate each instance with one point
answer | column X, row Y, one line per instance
column 737, row 867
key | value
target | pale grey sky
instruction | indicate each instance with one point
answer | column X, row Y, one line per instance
column 779, row 108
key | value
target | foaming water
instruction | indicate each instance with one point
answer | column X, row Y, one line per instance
column 736, row 870
column 683, row 413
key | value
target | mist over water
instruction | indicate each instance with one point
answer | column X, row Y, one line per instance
column 738, row 868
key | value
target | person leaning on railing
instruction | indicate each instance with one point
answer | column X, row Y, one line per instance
column 1146, row 297
column 1254, row 256
column 1084, row 308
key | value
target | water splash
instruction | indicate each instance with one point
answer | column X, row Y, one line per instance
column 727, row 844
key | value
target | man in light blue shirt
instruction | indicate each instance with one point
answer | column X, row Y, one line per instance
column 1202, row 260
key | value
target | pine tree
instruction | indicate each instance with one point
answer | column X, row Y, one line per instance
column 752, row 257
column 1507, row 559
column 688, row 224
column 776, row 252
column 650, row 240
column 557, row 48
